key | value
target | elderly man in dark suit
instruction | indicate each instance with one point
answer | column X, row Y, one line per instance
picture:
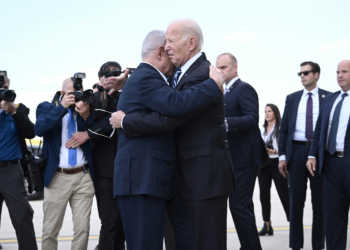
column 146, row 167
column 246, row 147
column 331, row 149
column 295, row 135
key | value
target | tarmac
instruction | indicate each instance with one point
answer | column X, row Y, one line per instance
column 279, row 241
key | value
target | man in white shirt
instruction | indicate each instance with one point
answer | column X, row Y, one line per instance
column 297, row 126
column 67, row 175
column 330, row 148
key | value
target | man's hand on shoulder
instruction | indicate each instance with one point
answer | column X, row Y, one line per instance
column 83, row 109
column 9, row 107
column 68, row 99
column 216, row 75
column 116, row 83
column 116, row 119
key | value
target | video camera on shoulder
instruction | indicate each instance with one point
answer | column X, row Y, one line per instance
column 6, row 94
column 85, row 96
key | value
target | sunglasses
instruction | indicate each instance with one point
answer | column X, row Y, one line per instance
column 305, row 73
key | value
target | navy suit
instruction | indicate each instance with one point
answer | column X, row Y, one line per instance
column 206, row 175
column 49, row 125
column 248, row 153
column 296, row 158
column 336, row 177
column 146, row 167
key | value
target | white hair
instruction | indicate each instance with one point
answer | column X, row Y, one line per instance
column 190, row 28
column 153, row 40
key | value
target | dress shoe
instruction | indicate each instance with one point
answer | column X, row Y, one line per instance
column 266, row 230
column 0, row 246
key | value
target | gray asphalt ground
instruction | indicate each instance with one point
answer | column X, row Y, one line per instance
column 279, row 241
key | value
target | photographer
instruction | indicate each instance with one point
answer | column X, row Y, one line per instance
column 67, row 175
column 15, row 126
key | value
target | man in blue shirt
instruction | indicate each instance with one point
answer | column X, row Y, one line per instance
column 15, row 126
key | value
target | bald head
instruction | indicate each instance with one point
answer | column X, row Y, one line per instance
column 343, row 75
column 67, row 85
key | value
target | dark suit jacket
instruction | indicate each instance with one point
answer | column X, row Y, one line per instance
column 205, row 162
column 286, row 133
column 104, row 150
column 148, row 165
column 242, row 114
column 319, row 139
column 49, row 125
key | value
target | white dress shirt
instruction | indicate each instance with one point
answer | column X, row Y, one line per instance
column 230, row 83
column 299, row 131
column 188, row 64
column 81, row 161
column 343, row 120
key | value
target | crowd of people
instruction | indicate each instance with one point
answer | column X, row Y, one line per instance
column 187, row 142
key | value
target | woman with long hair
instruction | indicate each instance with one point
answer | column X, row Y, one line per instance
column 270, row 171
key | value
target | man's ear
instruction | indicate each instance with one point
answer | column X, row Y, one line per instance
column 317, row 75
column 160, row 51
column 192, row 43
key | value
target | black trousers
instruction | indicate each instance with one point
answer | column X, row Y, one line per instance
column 208, row 219
column 266, row 175
column 143, row 221
column 21, row 213
column 111, row 233
column 242, row 208
column 336, row 177
column 298, row 176
column 177, row 232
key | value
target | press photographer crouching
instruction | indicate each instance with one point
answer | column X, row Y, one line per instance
column 15, row 126
column 67, row 175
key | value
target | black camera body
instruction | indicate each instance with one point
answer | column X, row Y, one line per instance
column 85, row 96
column 117, row 72
column 269, row 144
column 6, row 94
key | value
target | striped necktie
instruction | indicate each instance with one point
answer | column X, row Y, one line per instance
column 176, row 76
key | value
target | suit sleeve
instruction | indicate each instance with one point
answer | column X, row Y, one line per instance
column 283, row 133
column 24, row 126
column 47, row 117
column 249, row 105
column 100, row 126
column 167, row 101
column 141, row 123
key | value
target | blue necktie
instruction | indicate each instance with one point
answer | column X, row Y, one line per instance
column 72, row 152
column 334, row 126
column 176, row 76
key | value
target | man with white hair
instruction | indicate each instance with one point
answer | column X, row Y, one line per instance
column 206, row 175
column 145, row 175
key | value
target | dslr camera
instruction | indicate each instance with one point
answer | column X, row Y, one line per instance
column 269, row 144
column 85, row 96
column 6, row 94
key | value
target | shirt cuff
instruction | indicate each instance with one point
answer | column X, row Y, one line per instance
column 121, row 122
column 282, row 158
column 311, row 157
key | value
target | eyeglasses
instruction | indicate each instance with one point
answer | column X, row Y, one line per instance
column 305, row 73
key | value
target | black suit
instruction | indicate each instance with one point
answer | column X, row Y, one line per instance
column 336, row 176
column 248, row 153
column 296, row 158
column 206, row 175
column 104, row 151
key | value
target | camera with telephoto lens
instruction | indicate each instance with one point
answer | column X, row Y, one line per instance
column 115, row 72
column 6, row 94
column 85, row 96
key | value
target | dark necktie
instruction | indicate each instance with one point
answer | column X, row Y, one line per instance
column 72, row 152
column 176, row 76
column 308, row 124
column 334, row 126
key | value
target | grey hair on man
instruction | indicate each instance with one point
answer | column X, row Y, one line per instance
column 190, row 28
column 153, row 40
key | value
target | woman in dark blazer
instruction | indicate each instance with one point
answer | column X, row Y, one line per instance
column 270, row 171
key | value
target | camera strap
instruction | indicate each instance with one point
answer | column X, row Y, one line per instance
column 271, row 135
